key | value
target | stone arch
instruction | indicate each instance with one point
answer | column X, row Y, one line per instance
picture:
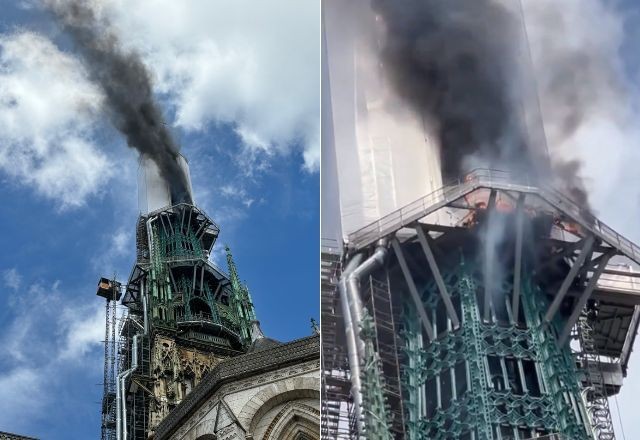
column 204, row 430
column 276, row 393
column 294, row 422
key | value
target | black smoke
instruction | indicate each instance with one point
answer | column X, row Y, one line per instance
column 126, row 84
column 452, row 61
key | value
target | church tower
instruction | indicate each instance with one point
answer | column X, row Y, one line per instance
column 184, row 315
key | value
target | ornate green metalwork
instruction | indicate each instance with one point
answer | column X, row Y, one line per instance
column 240, row 301
column 558, row 367
column 185, row 286
column 412, row 372
column 175, row 243
column 494, row 380
column 377, row 417
column 160, row 286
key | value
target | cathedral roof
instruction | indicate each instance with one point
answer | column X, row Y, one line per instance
column 259, row 341
column 276, row 356
column 261, row 344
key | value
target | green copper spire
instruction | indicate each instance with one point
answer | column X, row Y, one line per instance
column 241, row 300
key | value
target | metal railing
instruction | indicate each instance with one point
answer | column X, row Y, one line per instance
column 330, row 246
column 492, row 179
column 197, row 317
column 548, row 437
column 623, row 283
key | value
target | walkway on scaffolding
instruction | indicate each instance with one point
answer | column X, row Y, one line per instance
column 493, row 180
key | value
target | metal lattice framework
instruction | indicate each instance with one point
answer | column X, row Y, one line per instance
column 486, row 380
column 110, row 290
column 490, row 336
column 176, row 299
column 377, row 414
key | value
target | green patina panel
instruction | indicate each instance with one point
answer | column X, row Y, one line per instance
column 497, row 380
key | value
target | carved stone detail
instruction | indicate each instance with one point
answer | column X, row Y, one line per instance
column 240, row 373
column 175, row 371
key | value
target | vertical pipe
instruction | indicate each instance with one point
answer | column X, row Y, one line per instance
column 118, row 421
column 351, row 338
column 123, row 407
column 125, row 376
column 489, row 245
column 517, row 264
column 350, row 291
column 202, row 280
column 144, row 306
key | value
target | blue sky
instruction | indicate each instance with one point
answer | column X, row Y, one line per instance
column 238, row 82
column 242, row 99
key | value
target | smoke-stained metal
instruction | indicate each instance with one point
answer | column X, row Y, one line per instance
column 566, row 283
column 435, row 271
column 517, row 260
column 154, row 192
column 424, row 319
column 584, row 297
column 491, row 237
column 513, row 374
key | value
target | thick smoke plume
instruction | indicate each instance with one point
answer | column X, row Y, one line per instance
column 126, row 84
column 458, row 63
column 452, row 61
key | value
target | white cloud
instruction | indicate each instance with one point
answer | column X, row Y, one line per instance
column 115, row 251
column 238, row 194
column 219, row 257
column 252, row 64
column 24, row 396
column 83, row 329
column 48, row 110
column 12, row 278
column 47, row 338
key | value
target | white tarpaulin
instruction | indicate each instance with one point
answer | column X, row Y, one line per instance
column 383, row 157
column 381, row 153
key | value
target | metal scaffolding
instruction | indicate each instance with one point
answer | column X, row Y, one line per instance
column 506, row 321
column 183, row 315
column 594, row 390
column 110, row 290
column 337, row 418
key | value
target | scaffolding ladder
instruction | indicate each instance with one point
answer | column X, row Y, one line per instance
column 108, row 425
column 337, row 420
column 596, row 395
column 383, row 313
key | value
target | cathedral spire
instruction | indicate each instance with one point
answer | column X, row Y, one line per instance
column 241, row 300
column 233, row 271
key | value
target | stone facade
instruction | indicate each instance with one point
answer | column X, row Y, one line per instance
column 176, row 370
column 270, row 394
column 9, row 436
